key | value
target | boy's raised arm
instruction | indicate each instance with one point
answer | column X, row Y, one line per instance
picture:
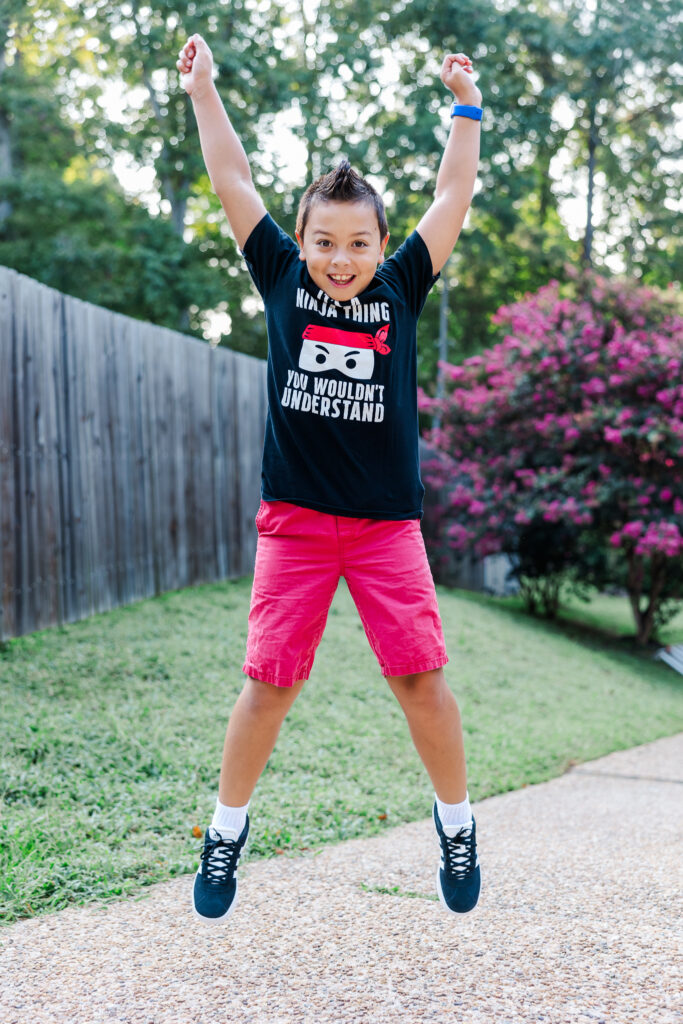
column 441, row 224
column 223, row 152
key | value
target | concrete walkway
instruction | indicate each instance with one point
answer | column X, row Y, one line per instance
column 576, row 923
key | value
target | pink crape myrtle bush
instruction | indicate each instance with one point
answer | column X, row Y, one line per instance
column 566, row 441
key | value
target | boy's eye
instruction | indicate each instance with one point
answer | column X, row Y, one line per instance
column 325, row 243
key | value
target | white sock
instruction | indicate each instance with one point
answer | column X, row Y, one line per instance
column 229, row 819
column 454, row 816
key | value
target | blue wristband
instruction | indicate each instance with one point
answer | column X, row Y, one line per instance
column 461, row 110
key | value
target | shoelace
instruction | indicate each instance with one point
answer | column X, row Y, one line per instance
column 458, row 853
column 220, row 857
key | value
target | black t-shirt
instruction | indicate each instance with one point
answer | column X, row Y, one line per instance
column 342, row 429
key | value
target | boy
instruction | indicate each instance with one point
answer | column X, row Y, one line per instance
column 341, row 487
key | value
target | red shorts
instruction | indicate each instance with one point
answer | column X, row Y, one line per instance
column 301, row 555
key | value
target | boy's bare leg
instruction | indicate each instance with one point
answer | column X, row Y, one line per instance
column 434, row 721
column 253, row 728
column 435, row 726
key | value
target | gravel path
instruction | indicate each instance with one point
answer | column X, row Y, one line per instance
column 576, row 924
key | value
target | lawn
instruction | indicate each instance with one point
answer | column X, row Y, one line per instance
column 112, row 730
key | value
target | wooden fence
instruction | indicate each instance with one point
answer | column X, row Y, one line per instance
column 129, row 458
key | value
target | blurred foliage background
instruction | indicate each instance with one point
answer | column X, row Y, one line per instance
column 104, row 195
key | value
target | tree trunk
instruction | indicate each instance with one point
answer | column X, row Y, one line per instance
column 5, row 135
column 645, row 618
column 551, row 596
column 587, row 255
column 309, row 110
column 634, row 587
column 658, row 572
column 443, row 341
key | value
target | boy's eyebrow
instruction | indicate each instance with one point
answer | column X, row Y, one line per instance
column 322, row 231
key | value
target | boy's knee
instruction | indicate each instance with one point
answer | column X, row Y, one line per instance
column 427, row 691
column 266, row 698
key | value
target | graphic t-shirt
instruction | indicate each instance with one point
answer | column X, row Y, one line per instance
column 342, row 428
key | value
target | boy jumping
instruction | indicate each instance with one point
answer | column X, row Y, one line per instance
column 341, row 488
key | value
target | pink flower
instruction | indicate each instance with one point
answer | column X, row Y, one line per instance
column 595, row 386
column 476, row 508
column 612, row 435
column 661, row 538
column 459, row 536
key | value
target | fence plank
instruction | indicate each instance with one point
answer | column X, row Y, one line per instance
column 93, row 484
column 204, row 497
column 250, row 436
column 217, row 463
column 76, row 591
column 122, row 456
column 8, row 447
column 47, row 458
column 22, row 466
column 233, row 482
column 144, row 396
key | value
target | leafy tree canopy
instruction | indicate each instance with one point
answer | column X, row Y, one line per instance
column 585, row 87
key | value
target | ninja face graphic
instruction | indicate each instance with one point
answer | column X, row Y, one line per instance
column 350, row 352
column 354, row 362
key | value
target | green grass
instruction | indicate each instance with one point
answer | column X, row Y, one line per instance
column 615, row 615
column 112, row 730
column 395, row 890
column 610, row 617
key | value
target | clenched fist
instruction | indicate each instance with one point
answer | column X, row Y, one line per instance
column 456, row 75
column 195, row 64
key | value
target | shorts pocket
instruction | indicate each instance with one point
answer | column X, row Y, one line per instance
column 259, row 516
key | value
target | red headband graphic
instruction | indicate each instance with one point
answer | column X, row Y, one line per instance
column 336, row 336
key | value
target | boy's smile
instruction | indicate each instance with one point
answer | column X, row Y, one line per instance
column 342, row 246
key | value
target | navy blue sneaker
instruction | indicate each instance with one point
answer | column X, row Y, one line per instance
column 215, row 884
column 458, row 878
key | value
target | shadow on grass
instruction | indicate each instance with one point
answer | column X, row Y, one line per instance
column 589, row 636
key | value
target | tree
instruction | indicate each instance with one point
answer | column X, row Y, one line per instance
column 591, row 84
column 83, row 238
column 65, row 218
column 621, row 64
column 514, row 239
column 326, row 68
column 567, row 438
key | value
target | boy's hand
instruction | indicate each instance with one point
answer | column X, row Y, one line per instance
column 456, row 75
column 195, row 64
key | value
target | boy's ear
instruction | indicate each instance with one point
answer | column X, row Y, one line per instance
column 382, row 247
column 301, row 246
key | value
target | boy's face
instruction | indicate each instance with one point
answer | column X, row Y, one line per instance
column 342, row 247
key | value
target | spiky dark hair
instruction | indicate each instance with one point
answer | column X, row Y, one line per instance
column 342, row 185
